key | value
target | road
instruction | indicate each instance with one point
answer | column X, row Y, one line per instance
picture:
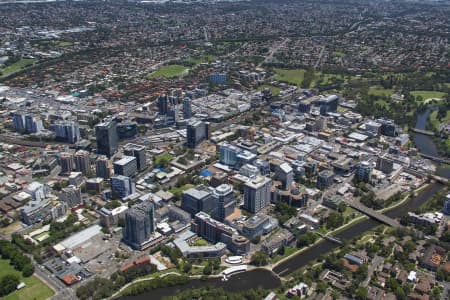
column 61, row 291
column 272, row 52
column 320, row 57
column 376, row 262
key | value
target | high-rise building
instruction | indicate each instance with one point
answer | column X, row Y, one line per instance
column 33, row 124
column 121, row 186
column 187, row 108
column 225, row 199
column 163, row 104
column 137, row 151
column 27, row 123
column 364, row 171
column 328, row 104
column 447, row 205
column 71, row 195
column 196, row 132
column 198, row 199
column 218, row 78
column 387, row 127
column 19, row 122
column 285, row 174
column 82, row 162
column 103, row 167
column 325, row 179
column 304, row 107
column 106, row 135
column 257, row 194
column 385, row 164
column 66, row 162
column 229, row 154
column 139, row 224
column 66, row 131
column 127, row 166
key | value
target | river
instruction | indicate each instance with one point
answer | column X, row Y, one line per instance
column 425, row 143
column 264, row 278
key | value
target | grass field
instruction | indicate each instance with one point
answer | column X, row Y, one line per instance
column 292, row 76
column 428, row 94
column 35, row 289
column 202, row 59
column 275, row 90
column 16, row 66
column 379, row 91
column 338, row 54
column 169, row 71
column 434, row 122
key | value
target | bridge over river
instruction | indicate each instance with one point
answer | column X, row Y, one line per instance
column 373, row 214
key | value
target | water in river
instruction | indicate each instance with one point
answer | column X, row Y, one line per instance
column 425, row 143
column 264, row 278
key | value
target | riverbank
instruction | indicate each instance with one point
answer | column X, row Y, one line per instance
column 271, row 279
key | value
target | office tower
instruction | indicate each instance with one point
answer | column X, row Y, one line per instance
column 163, row 104
column 139, row 224
column 228, row 154
column 325, row 179
column 102, row 167
column 257, row 194
column 121, row 186
column 285, row 174
column 127, row 166
column 304, row 107
column 447, row 205
column 19, row 122
column 384, row 164
column 66, row 131
column 33, row 124
column 328, row 104
column 137, row 151
column 218, row 78
column 187, row 108
column 195, row 133
column 224, row 196
column 364, row 171
column 387, row 127
column 106, row 134
column 82, row 162
column 66, row 162
column 198, row 199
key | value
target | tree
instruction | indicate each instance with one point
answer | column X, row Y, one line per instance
column 259, row 258
column 187, row 267
column 8, row 284
column 207, row 270
column 361, row 293
column 28, row 270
